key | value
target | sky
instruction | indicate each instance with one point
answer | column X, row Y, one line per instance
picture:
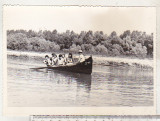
column 106, row 19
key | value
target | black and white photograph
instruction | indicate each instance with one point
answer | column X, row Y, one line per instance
column 71, row 56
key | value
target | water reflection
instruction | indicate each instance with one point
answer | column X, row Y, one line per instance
column 83, row 80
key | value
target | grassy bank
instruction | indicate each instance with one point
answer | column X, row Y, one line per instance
column 97, row 59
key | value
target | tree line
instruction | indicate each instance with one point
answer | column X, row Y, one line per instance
column 135, row 43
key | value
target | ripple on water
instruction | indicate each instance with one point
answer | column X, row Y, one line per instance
column 107, row 86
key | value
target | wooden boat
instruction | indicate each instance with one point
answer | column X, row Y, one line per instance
column 83, row 67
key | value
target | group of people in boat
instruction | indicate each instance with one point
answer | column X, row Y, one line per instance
column 62, row 59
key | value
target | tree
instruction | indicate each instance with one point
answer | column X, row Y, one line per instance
column 139, row 50
column 17, row 41
column 134, row 43
column 113, row 34
column 118, row 48
column 125, row 34
column 75, row 48
column 101, row 49
column 88, row 37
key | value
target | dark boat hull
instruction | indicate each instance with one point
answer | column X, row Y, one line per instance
column 84, row 67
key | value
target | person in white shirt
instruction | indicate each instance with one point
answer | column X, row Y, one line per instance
column 61, row 60
column 81, row 56
column 54, row 59
column 65, row 59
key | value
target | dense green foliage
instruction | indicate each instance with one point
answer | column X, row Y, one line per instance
column 134, row 43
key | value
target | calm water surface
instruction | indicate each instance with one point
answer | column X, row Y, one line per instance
column 107, row 86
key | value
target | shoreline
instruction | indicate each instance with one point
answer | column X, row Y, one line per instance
column 99, row 60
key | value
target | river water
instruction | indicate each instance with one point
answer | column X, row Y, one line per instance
column 107, row 86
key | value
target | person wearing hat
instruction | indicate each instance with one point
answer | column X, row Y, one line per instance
column 81, row 56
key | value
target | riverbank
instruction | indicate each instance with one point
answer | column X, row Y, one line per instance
column 97, row 59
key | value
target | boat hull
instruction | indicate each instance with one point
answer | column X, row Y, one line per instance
column 84, row 67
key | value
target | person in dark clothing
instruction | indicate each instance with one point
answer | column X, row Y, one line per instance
column 47, row 60
column 70, row 58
